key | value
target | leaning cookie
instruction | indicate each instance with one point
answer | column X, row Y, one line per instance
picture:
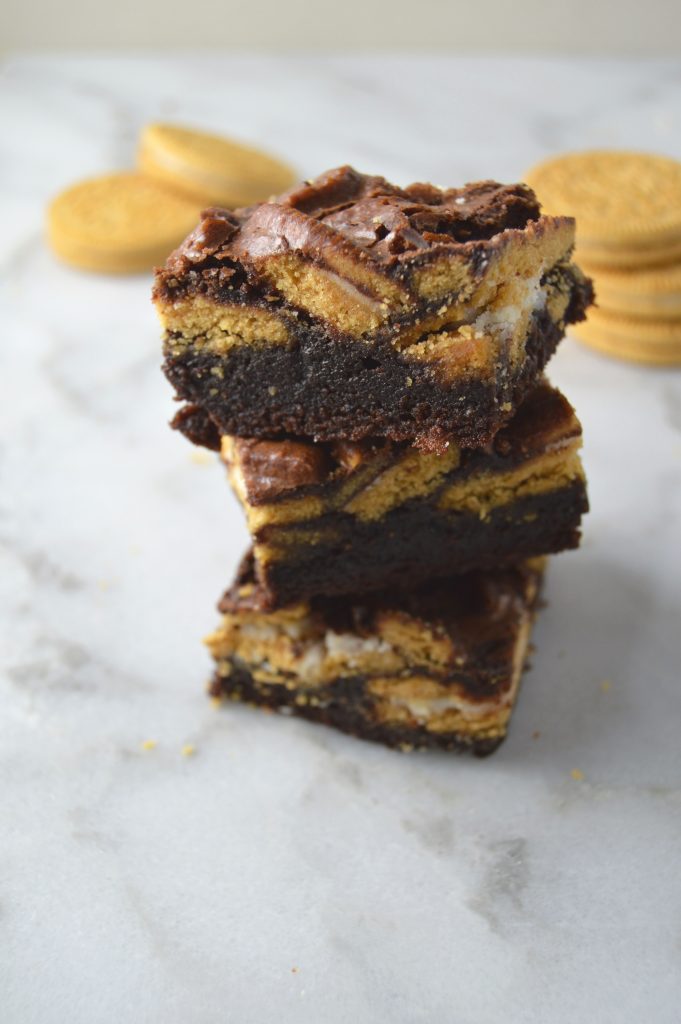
column 215, row 170
column 118, row 223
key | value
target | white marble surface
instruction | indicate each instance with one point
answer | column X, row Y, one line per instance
column 285, row 872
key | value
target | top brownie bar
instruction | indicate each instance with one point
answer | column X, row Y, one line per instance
column 349, row 307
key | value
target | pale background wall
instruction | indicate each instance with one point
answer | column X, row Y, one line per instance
column 565, row 26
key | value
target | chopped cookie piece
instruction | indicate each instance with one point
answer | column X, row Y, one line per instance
column 345, row 517
column 437, row 667
column 351, row 308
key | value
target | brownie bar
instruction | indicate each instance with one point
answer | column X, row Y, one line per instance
column 351, row 308
column 351, row 516
column 436, row 667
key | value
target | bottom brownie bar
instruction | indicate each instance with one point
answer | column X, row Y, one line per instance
column 437, row 666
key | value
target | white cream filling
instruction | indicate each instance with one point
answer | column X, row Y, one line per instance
column 313, row 665
column 346, row 645
column 375, row 306
column 505, row 319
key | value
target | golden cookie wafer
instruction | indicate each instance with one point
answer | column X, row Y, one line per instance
column 627, row 205
column 119, row 223
column 643, row 341
column 216, row 170
column 609, row 258
column 652, row 293
column 630, row 354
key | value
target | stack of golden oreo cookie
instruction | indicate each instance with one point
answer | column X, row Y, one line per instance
column 124, row 223
column 628, row 210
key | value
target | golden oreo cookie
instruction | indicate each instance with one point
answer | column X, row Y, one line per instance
column 603, row 257
column 643, row 341
column 217, row 171
column 627, row 205
column 653, row 293
column 624, row 351
column 119, row 224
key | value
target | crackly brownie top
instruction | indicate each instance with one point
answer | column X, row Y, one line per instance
column 272, row 470
column 387, row 223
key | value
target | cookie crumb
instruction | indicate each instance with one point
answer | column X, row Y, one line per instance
column 201, row 457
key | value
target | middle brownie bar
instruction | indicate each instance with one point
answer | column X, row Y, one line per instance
column 346, row 517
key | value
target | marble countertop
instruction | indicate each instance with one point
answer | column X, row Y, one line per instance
column 283, row 871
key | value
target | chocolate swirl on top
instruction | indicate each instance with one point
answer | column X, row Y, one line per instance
column 384, row 221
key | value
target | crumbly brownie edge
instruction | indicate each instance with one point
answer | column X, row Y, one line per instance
column 346, row 708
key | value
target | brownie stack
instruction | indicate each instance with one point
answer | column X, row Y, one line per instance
column 368, row 362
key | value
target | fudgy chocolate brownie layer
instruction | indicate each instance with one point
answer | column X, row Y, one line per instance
column 349, row 308
column 346, row 516
column 417, row 543
column 437, row 666
column 352, row 390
